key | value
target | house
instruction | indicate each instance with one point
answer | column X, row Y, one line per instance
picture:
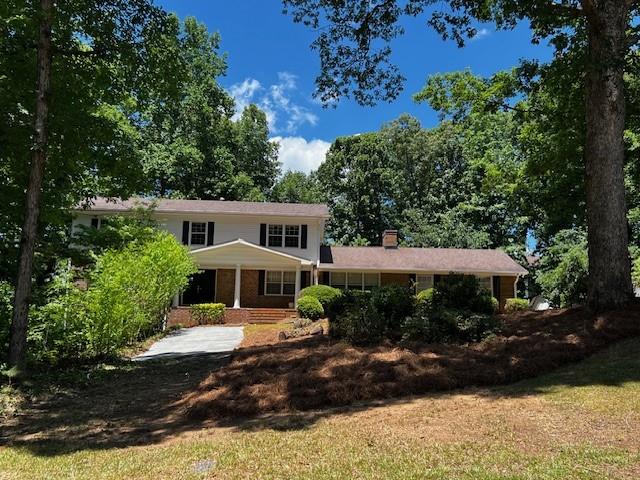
column 259, row 255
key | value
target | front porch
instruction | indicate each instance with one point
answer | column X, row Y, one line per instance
column 241, row 275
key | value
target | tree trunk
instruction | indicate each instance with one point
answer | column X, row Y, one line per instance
column 609, row 263
column 17, row 343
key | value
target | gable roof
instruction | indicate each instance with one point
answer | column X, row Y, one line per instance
column 237, row 252
column 166, row 205
column 438, row 260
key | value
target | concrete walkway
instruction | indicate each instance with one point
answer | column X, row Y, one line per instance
column 194, row 341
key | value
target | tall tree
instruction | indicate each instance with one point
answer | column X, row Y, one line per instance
column 90, row 61
column 353, row 43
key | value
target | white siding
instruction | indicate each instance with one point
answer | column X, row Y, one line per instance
column 233, row 227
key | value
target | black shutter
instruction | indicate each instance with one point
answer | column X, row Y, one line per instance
column 260, row 282
column 263, row 234
column 94, row 223
column 412, row 281
column 496, row 287
column 210, row 232
column 185, row 233
column 325, row 278
column 305, row 279
column 303, row 237
column 436, row 280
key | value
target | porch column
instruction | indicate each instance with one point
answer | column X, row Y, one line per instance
column 236, row 293
column 176, row 300
column 315, row 275
column 297, row 290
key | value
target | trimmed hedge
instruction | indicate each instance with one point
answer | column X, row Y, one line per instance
column 208, row 313
column 516, row 305
column 325, row 294
column 310, row 307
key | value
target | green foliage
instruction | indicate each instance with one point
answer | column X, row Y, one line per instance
column 486, row 304
column 635, row 272
column 356, row 320
column 425, row 296
column 516, row 305
column 461, row 292
column 129, row 291
column 326, row 295
column 208, row 313
column 296, row 187
column 440, row 325
column 6, row 311
column 393, row 303
column 310, row 307
column 563, row 269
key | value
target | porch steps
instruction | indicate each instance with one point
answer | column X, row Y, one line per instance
column 271, row 315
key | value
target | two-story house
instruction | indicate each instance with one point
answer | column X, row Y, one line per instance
column 260, row 255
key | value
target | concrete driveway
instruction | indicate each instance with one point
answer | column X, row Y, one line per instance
column 194, row 341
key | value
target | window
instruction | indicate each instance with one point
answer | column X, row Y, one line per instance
column 354, row 280
column 292, row 236
column 284, row 235
column 423, row 282
column 486, row 283
column 275, row 235
column 280, row 283
column 198, row 233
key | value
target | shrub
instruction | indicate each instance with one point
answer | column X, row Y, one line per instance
column 310, row 307
column 129, row 291
column 325, row 294
column 393, row 303
column 356, row 320
column 448, row 326
column 208, row 313
column 425, row 296
column 485, row 304
column 455, row 291
column 516, row 305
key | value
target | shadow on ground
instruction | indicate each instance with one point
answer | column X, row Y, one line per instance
column 293, row 385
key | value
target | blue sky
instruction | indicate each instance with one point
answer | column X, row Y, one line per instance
column 271, row 64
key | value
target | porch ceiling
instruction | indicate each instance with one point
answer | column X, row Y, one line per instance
column 246, row 254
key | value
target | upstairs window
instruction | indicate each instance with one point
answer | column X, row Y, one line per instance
column 198, row 233
column 275, row 235
column 283, row 235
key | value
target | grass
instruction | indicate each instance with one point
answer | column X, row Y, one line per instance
column 124, row 421
column 538, row 429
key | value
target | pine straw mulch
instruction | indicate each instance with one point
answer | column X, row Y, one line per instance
column 316, row 372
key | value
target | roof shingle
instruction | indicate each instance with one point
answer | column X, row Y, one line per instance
column 102, row 204
column 442, row 260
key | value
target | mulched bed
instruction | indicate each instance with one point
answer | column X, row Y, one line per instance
column 318, row 372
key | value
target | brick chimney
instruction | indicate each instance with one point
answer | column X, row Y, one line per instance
column 390, row 239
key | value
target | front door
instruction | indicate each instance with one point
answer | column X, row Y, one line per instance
column 201, row 289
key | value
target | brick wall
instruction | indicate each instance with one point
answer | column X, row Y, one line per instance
column 225, row 286
column 249, row 293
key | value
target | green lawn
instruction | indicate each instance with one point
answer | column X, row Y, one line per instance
column 581, row 422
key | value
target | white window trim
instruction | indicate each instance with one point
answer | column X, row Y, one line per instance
column 346, row 279
column 490, row 281
column 282, row 283
column 206, row 233
column 283, row 237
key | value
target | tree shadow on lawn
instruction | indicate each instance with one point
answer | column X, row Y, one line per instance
column 292, row 385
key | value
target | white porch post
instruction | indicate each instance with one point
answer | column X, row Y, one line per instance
column 176, row 300
column 236, row 293
column 297, row 290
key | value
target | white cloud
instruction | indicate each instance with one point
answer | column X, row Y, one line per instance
column 276, row 101
column 298, row 154
column 480, row 34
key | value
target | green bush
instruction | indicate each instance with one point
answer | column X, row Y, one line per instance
column 448, row 326
column 208, row 313
column 326, row 295
column 425, row 296
column 393, row 303
column 357, row 321
column 516, row 305
column 485, row 304
column 129, row 292
column 310, row 307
